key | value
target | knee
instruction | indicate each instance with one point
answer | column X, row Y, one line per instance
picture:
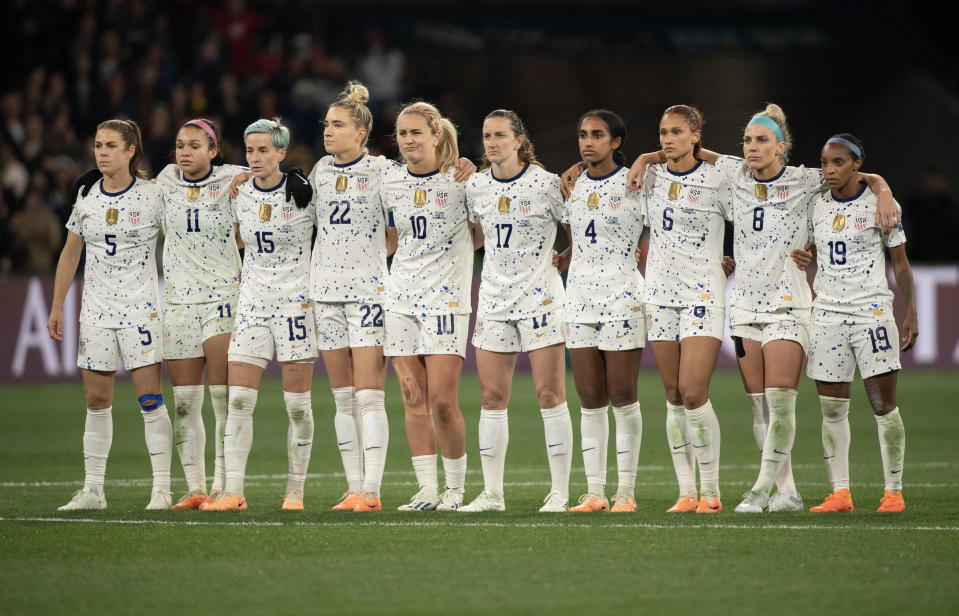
column 549, row 397
column 495, row 398
column 693, row 396
column 673, row 395
column 411, row 392
column 593, row 398
column 96, row 400
column 622, row 397
column 443, row 408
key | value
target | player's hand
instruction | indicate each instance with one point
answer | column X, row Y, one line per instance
column 298, row 188
column 887, row 213
column 55, row 324
column 568, row 179
column 910, row 331
column 561, row 260
column 84, row 183
column 634, row 178
column 729, row 265
column 463, row 168
column 803, row 257
column 239, row 178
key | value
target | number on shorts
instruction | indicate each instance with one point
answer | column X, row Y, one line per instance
column 591, row 231
column 147, row 337
column 296, row 322
column 442, row 324
column 507, row 230
column 264, row 242
column 192, row 216
column 880, row 339
column 224, row 310
column 540, row 323
column 837, row 252
column 371, row 309
column 758, row 215
column 338, row 217
column 111, row 244
column 419, row 227
column 667, row 221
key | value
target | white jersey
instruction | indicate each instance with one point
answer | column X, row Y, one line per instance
column 276, row 260
column 349, row 256
column 519, row 217
column 687, row 215
column 201, row 262
column 851, row 281
column 120, row 233
column 431, row 273
column 606, row 221
column 770, row 220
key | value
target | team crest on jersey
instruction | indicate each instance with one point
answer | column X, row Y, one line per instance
column 193, row 193
column 838, row 223
column 592, row 202
column 341, row 181
column 860, row 223
column 615, row 202
column 694, row 194
column 762, row 192
column 266, row 211
column 782, row 192
column 215, row 191
column 419, row 197
column 525, row 206
column 113, row 214
column 441, row 198
column 134, row 217
column 674, row 189
column 287, row 213
column 362, row 182
column 503, row 205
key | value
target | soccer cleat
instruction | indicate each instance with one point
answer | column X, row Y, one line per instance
column 840, row 500
column 424, row 500
column 891, row 503
column 370, row 502
column 623, row 503
column 486, row 501
column 451, row 500
column 784, row 503
column 228, row 502
column 685, row 504
column 348, row 501
column 753, row 502
column 160, row 499
column 293, row 501
column 709, row 504
column 555, row 502
column 214, row 494
column 190, row 500
column 590, row 503
column 84, row 499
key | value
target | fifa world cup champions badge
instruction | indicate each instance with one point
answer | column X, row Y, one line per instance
column 592, row 202
column 838, row 223
column 113, row 214
column 419, row 197
column 193, row 193
column 674, row 189
column 503, row 206
column 762, row 192
column 341, row 181
column 266, row 211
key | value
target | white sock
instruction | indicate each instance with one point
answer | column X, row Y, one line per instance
column 594, row 431
column 684, row 457
column 760, row 418
column 97, row 438
column 299, row 407
column 189, row 436
column 558, row 427
column 219, row 398
column 493, row 440
column 158, row 432
column 348, row 436
column 705, row 437
column 835, row 440
column 629, row 436
column 455, row 471
column 892, row 445
column 371, row 404
column 425, row 469
column 238, row 438
column 779, row 438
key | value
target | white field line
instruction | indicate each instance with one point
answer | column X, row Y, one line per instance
column 462, row 522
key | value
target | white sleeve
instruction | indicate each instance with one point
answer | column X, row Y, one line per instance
column 554, row 198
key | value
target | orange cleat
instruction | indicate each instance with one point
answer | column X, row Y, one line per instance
column 369, row 502
column 840, row 500
column 214, row 494
column 293, row 501
column 685, row 504
column 590, row 503
column 623, row 504
column 709, row 504
column 348, row 501
column 228, row 502
column 190, row 500
column 891, row 503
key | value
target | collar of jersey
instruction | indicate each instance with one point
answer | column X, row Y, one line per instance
column 682, row 173
column 422, row 175
column 205, row 177
column 608, row 175
column 508, row 180
column 862, row 189
column 269, row 189
column 116, row 194
column 770, row 180
column 349, row 164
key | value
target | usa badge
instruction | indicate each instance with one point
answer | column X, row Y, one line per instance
column 838, row 223
column 762, row 192
column 266, row 211
column 113, row 214
column 362, row 182
column 441, row 198
column 615, row 202
column 674, row 189
column 134, row 217
column 215, row 191
column 287, row 213
column 503, row 205
column 782, row 192
column 592, row 202
column 419, row 197
column 525, row 206
column 860, row 223
column 341, row 181
column 193, row 193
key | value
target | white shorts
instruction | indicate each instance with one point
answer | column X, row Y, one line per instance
column 790, row 324
column 348, row 324
column 674, row 323
column 836, row 349
column 292, row 337
column 187, row 326
column 408, row 335
column 520, row 335
column 611, row 336
column 100, row 348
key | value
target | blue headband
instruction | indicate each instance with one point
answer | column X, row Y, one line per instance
column 768, row 123
column 849, row 144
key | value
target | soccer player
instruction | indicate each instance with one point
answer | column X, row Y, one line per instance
column 853, row 321
column 518, row 205
column 118, row 222
column 428, row 298
column 605, row 328
column 273, row 313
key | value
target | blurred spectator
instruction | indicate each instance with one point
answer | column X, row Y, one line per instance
column 38, row 236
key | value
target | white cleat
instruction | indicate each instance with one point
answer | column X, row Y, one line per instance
column 555, row 503
column 785, row 503
column 424, row 500
column 160, row 499
column 486, row 501
column 753, row 502
column 451, row 500
column 84, row 499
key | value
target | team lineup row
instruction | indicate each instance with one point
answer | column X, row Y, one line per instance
column 292, row 297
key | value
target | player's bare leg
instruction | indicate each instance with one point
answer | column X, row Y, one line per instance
column 157, row 431
column 443, row 385
column 549, row 378
column 97, row 439
column 420, row 433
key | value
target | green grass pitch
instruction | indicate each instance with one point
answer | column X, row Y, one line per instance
column 126, row 560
